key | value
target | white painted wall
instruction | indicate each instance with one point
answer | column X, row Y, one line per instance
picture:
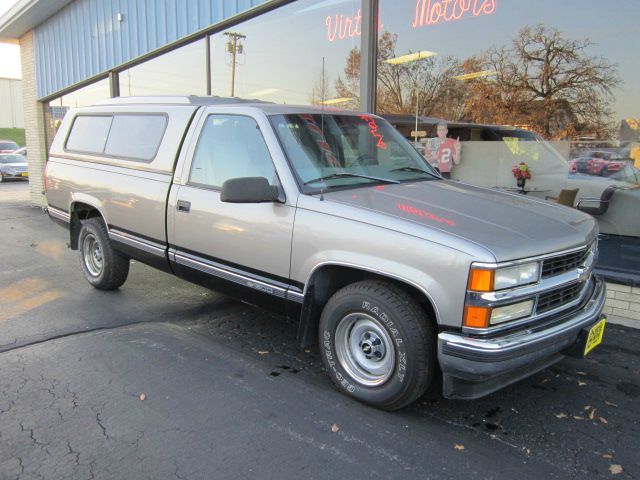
column 11, row 113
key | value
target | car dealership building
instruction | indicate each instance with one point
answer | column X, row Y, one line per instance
column 564, row 70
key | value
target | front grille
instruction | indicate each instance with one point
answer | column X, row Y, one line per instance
column 557, row 298
column 563, row 263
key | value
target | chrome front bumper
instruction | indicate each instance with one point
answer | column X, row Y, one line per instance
column 473, row 367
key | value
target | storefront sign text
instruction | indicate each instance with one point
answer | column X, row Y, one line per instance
column 341, row 26
column 432, row 12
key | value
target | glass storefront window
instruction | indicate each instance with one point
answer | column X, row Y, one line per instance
column 179, row 72
column 543, row 90
column 84, row 96
column 56, row 109
column 279, row 56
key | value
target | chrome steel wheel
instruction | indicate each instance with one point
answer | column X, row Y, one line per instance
column 364, row 349
column 92, row 255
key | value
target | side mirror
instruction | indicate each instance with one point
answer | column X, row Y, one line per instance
column 249, row 190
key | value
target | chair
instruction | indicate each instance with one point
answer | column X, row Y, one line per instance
column 566, row 197
column 603, row 202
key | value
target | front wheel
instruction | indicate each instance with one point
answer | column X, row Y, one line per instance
column 103, row 266
column 377, row 344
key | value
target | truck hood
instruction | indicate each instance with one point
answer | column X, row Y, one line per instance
column 509, row 225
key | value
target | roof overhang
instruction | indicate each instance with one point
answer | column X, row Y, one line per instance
column 25, row 15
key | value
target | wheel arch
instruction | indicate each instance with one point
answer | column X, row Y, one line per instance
column 81, row 209
column 327, row 278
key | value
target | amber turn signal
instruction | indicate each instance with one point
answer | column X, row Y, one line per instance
column 481, row 280
column 476, row 317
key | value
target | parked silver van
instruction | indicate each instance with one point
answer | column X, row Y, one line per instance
column 407, row 282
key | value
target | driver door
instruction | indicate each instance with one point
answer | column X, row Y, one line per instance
column 242, row 249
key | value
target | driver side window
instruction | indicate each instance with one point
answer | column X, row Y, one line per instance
column 230, row 146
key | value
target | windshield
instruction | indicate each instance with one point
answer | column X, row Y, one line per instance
column 328, row 151
column 12, row 159
column 9, row 146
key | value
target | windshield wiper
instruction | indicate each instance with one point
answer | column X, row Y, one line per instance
column 409, row 168
column 349, row 174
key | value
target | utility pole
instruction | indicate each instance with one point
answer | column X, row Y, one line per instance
column 234, row 47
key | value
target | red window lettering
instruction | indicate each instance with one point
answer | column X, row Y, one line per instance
column 432, row 12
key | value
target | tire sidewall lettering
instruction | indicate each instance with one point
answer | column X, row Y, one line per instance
column 401, row 355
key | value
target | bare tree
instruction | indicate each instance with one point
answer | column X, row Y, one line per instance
column 398, row 84
column 546, row 81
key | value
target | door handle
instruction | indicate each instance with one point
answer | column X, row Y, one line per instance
column 183, row 206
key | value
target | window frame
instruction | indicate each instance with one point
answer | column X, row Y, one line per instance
column 205, row 186
column 113, row 115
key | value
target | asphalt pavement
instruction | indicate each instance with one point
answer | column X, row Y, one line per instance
column 163, row 379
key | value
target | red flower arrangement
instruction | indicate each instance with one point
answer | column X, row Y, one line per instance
column 521, row 171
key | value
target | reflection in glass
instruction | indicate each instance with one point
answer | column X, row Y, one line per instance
column 545, row 83
column 179, row 72
column 295, row 54
column 84, row 96
column 57, row 108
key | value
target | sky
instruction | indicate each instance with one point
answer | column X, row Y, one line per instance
column 9, row 53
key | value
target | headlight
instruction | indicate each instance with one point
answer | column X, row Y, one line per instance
column 517, row 275
column 489, row 280
column 511, row 312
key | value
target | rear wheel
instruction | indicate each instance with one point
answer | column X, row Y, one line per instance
column 377, row 344
column 103, row 266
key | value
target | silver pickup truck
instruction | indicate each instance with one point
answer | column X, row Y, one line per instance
column 408, row 283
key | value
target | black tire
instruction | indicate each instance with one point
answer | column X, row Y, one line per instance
column 347, row 318
column 112, row 269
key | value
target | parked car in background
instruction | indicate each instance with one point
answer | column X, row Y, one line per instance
column 13, row 166
column 597, row 163
column 8, row 146
column 603, row 167
column 21, row 151
column 579, row 165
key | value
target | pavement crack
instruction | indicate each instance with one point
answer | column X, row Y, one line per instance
column 100, row 424
column 73, row 334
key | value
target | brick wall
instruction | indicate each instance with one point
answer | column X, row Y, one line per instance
column 33, row 121
column 623, row 302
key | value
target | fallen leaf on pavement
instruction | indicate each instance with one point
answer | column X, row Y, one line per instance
column 611, row 404
column 142, row 397
column 616, row 469
column 607, row 455
column 582, row 384
column 561, row 415
column 592, row 414
column 603, row 420
column 587, row 407
column 307, row 350
column 335, row 428
column 263, row 352
column 578, row 417
column 457, row 446
column 581, row 373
